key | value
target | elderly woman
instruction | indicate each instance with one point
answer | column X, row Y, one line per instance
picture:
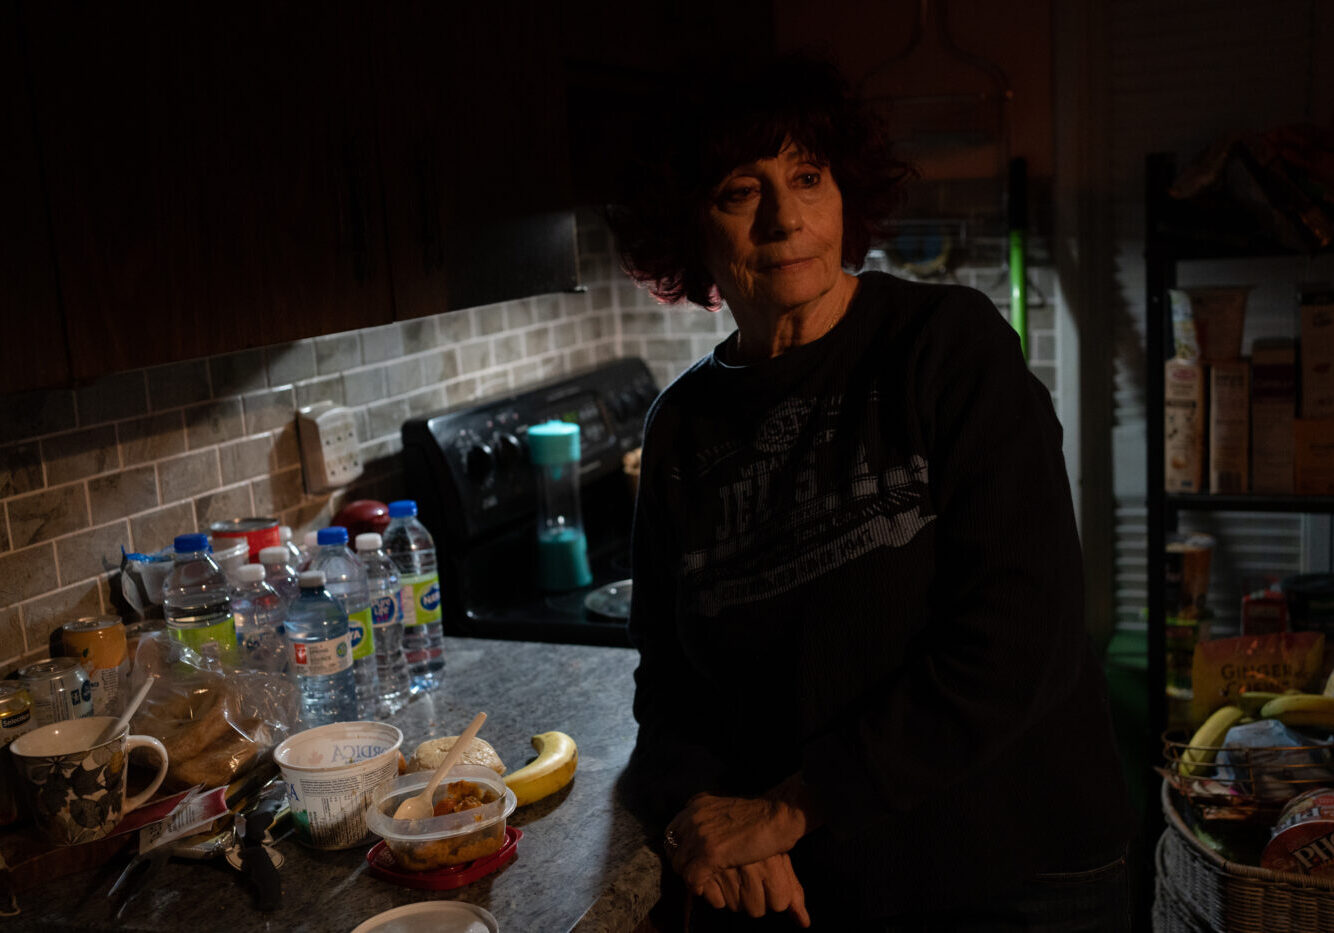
column 866, row 696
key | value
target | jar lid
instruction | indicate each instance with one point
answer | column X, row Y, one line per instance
column 553, row 442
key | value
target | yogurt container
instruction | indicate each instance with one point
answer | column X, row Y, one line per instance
column 332, row 772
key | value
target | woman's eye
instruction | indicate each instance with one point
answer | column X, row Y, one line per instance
column 808, row 179
column 738, row 194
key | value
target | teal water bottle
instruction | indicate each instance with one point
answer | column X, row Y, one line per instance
column 562, row 550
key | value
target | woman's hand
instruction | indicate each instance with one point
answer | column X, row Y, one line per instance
column 728, row 832
column 769, row 885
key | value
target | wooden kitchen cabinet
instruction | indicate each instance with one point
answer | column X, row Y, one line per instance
column 32, row 348
column 211, row 175
column 474, row 153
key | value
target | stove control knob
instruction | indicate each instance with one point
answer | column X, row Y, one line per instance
column 480, row 462
column 508, row 451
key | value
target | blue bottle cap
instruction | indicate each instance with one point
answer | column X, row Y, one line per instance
column 553, row 442
column 334, row 534
column 187, row 544
column 402, row 508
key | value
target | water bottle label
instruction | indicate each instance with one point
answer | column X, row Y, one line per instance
column 219, row 638
column 425, row 599
column 321, row 658
column 385, row 609
column 362, row 635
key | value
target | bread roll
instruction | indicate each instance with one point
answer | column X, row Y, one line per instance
column 430, row 753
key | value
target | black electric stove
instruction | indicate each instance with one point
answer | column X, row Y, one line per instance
column 469, row 471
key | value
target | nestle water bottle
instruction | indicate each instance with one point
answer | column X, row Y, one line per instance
column 279, row 573
column 409, row 545
column 387, row 620
column 320, row 654
column 196, row 600
column 345, row 579
column 258, row 612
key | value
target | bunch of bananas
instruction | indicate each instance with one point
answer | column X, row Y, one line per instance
column 1310, row 710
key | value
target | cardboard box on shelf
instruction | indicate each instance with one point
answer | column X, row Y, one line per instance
column 1230, row 426
column 1313, row 456
column 1317, row 330
column 1273, row 409
column 1183, row 426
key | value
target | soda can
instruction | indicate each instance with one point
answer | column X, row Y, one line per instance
column 15, row 720
column 259, row 533
column 98, row 642
column 59, row 688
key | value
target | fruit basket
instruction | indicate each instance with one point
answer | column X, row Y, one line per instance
column 1198, row 890
column 1222, row 782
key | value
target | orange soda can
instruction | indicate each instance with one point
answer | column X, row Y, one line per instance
column 98, row 642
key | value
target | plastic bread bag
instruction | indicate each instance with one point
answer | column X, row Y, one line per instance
column 216, row 723
column 1272, row 761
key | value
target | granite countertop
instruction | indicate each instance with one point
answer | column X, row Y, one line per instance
column 583, row 863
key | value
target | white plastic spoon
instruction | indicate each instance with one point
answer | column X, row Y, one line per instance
column 124, row 720
column 422, row 806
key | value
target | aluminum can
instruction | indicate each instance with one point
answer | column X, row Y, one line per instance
column 258, row 532
column 15, row 720
column 59, row 688
column 98, row 642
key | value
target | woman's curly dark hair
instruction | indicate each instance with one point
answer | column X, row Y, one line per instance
column 727, row 117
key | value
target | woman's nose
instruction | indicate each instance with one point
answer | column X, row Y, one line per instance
column 780, row 213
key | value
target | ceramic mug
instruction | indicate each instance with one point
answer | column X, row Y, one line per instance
column 76, row 785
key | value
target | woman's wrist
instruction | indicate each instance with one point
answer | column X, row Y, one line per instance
column 796, row 806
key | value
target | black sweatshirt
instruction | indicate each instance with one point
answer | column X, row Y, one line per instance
column 858, row 560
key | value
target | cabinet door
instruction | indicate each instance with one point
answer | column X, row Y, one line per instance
column 32, row 345
column 212, row 176
column 474, row 153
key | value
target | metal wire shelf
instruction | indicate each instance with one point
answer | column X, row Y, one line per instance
column 1229, row 782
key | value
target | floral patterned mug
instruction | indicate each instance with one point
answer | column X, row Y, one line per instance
column 75, row 785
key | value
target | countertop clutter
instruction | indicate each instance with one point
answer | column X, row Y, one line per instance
column 583, row 862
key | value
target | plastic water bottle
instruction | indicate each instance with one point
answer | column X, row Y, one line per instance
column 196, row 600
column 307, row 550
column 280, row 573
column 345, row 579
column 409, row 546
column 258, row 612
column 387, row 620
column 320, row 654
column 294, row 552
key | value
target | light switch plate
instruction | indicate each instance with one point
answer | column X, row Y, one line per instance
column 330, row 449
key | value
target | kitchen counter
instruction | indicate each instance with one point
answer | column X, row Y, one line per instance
column 582, row 864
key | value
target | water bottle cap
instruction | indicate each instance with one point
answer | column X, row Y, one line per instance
column 369, row 541
column 277, row 554
column 553, row 442
column 312, row 579
column 284, row 533
column 187, row 544
column 250, row 573
column 403, row 508
column 334, row 534
column 311, row 537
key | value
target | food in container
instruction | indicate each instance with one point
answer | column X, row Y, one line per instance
column 448, row 839
column 432, row 917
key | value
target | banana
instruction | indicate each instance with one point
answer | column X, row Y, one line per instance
column 553, row 768
column 1253, row 700
column 1301, row 709
column 1204, row 744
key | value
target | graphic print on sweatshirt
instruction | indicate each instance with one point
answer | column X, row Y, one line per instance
column 793, row 504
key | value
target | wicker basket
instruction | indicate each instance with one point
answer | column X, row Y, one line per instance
column 1197, row 891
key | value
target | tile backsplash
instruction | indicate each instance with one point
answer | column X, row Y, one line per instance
column 141, row 456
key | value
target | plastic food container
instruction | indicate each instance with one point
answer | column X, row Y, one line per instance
column 452, row 839
column 432, row 917
column 332, row 771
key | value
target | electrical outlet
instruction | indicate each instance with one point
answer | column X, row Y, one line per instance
column 330, row 451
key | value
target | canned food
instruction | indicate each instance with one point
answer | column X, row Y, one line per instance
column 98, row 642
column 15, row 720
column 59, row 688
column 259, row 533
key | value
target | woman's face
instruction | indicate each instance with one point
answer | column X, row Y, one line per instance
column 773, row 232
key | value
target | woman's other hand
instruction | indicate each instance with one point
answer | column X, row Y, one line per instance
column 767, row 886
column 727, row 832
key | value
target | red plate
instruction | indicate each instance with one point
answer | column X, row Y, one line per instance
column 383, row 865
